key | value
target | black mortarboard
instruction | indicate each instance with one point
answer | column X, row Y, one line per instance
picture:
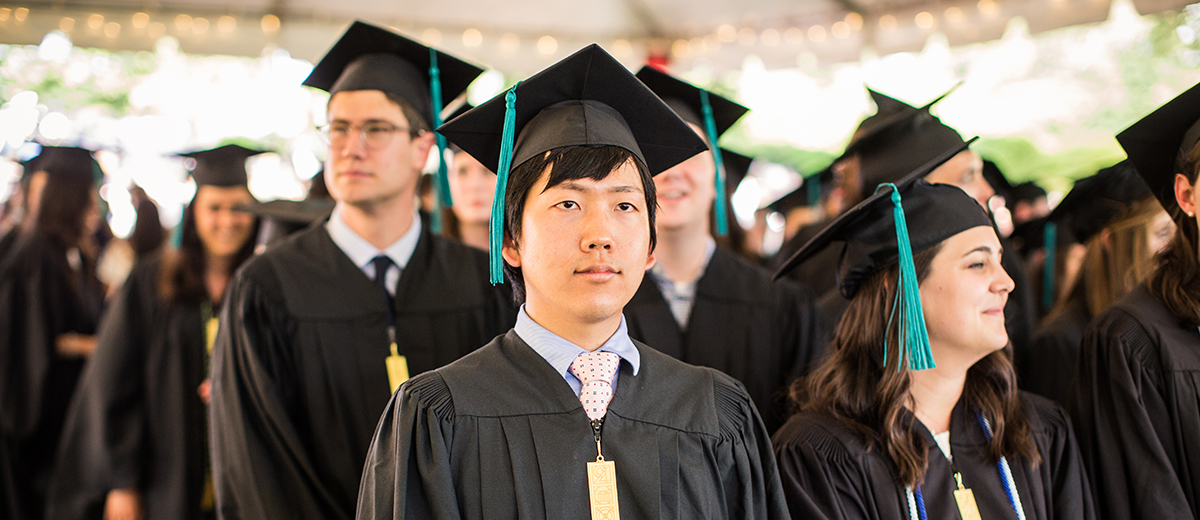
column 291, row 211
column 996, row 179
column 902, row 147
column 1097, row 201
column 687, row 100
column 371, row 58
column 1156, row 143
column 222, row 166
column 736, row 168
column 713, row 114
column 868, row 233
column 64, row 160
column 896, row 222
column 890, row 111
column 588, row 98
column 808, row 194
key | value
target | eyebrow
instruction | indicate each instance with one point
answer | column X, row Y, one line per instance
column 621, row 188
column 981, row 249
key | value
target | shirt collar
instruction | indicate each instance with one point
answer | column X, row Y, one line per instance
column 710, row 247
column 361, row 252
column 560, row 353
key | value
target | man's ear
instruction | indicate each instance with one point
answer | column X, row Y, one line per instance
column 422, row 145
column 511, row 252
column 650, row 261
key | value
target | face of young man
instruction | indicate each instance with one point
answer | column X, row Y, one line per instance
column 372, row 159
column 686, row 192
column 584, row 246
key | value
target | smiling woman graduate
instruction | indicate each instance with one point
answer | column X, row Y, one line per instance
column 886, row 432
column 524, row 427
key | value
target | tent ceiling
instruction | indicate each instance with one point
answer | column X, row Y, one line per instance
column 719, row 31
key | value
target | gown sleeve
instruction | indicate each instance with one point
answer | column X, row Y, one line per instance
column 821, row 477
column 407, row 473
column 1070, row 492
column 103, row 441
column 28, row 294
column 1124, row 426
column 752, row 478
column 261, row 466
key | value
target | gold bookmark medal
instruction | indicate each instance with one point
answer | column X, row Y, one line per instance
column 602, row 482
column 397, row 365
column 966, row 500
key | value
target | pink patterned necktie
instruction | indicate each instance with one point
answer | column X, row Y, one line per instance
column 595, row 370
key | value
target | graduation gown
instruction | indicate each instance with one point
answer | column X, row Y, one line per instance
column 137, row 420
column 830, row 472
column 763, row 333
column 1136, row 406
column 41, row 298
column 1048, row 369
column 500, row 434
column 299, row 379
column 819, row 273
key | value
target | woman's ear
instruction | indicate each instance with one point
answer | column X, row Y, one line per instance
column 1184, row 194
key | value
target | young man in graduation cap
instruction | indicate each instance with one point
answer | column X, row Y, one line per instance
column 701, row 303
column 566, row 416
column 319, row 331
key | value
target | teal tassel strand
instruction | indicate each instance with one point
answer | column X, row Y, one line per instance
column 912, row 334
column 177, row 233
column 710, row 128
column 496, row 242
column 442, row 181
column 1051, row 246
column 814, row 190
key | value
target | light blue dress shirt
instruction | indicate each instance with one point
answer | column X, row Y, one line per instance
column 560, row 353
column 681, row 295
column 361, row 252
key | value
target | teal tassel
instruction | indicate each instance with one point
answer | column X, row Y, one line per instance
column 814, row 190
column 495, row 261
column 912, row 334
column 710, row 128
column 1051, row 246
column 177, row 233
column 442, row 181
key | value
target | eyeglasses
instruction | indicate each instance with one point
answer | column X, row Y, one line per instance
column 374, row 135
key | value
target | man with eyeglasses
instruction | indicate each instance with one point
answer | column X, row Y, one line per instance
column 318, row 332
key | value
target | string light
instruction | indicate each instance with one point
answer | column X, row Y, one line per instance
column 622, row 48
column 472, row 38
column 987, row 6
column 816, row 33
column 509, row 43
column 183, row 22
column 793, row 35
column 547, row 45
column 727, row 33
column 855, row 20
column 112, row 29
column 887, row 22
column 96, row 21
column 840, row 30
column 270, row 23
column 199, row 25
column 954, row 14
column 140, row 20
column 923, row 20
column 4, row 14
column 679, row 48
column 226, row 24
column 20, row 14
column 746, row 36
column 431, row 36
column 66, row 24
column 770, row 37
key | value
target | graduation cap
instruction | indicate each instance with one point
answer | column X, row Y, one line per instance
column 222, row 166
column 588, row 98
column 890, row 226
column 886, row 109
column 62, row 160
column 996, row 179
column 1157, row 143
column 736, row 168
column 712, row 113
column 291, row 211
column 1028, row 191
column 808, row 194
column 1096, row 202
column 371, row 58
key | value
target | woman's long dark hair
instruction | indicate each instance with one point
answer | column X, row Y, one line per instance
column 858, row 386
column 1176, row 278
column 181, row 279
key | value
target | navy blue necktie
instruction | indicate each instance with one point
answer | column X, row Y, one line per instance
column 382, row 264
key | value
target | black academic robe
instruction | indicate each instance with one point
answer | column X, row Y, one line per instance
column 1136, row 407
column 41, row 298
column 763, row 333
column 819, row 273
column 299, row 378
column 1048, row 369
column 500, row 434
column 137, row 420
column 829, row 471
